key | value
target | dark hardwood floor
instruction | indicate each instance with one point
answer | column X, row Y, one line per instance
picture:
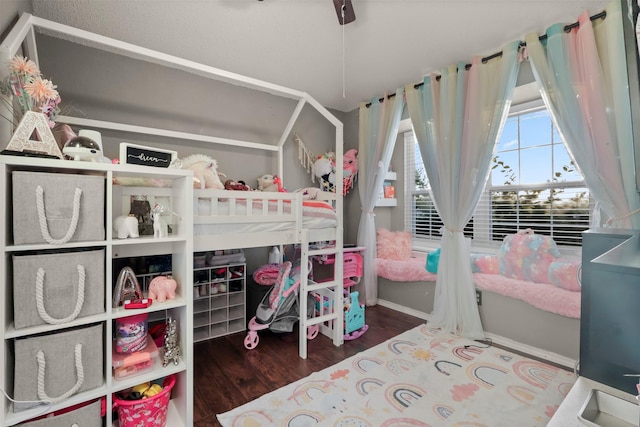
column 227, row 375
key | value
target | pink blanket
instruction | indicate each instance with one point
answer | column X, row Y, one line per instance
column 266, row 274
column 544, row 296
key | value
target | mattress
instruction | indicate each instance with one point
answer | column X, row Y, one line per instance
column 277, row 217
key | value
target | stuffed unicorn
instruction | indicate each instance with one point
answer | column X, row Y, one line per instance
column 205, row 170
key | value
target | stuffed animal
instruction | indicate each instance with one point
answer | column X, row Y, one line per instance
column 308, row 193
column 205, row 170
column 324, row 169
column 268, row 182
column 236, row 185
column 162, row 288
column 350, row 169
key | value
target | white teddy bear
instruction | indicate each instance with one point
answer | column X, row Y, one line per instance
column 267, row 182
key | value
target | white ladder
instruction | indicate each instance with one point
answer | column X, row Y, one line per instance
column 330, row 321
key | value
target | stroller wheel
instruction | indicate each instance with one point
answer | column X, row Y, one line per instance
column 251, row 340
column 312, row 331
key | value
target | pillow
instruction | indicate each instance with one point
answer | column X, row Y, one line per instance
column 565, row 274
column 527, row 256
column 485, row 263
column 393, row 244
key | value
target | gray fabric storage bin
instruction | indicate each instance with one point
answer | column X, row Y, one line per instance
column 55, row 355
column 59, row 295
column 87, row 416
column 58, row 192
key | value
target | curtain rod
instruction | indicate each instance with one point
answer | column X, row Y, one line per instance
column 567, row 28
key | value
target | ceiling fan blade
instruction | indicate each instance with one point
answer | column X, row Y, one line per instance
column 345, row 11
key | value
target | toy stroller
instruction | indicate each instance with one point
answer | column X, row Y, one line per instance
column 279, row 309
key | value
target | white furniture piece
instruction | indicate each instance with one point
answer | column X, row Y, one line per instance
column 219, row 300
column 179, row 245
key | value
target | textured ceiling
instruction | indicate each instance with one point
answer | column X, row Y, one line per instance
column 300, row 44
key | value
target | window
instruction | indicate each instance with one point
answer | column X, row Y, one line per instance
column 533, row 183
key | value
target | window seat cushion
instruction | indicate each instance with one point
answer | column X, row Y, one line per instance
column 543, row 296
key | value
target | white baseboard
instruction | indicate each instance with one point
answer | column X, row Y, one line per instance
column 403, row 309
column 539, row 353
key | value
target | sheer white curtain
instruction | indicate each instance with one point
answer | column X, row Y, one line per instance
column 583, row 79
column 378, row 131
column 457, row 118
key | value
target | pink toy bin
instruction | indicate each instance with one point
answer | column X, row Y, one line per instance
column 148, row 412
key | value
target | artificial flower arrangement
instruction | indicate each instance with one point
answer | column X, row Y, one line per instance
column 33, row 92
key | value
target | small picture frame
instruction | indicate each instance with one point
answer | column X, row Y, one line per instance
column 133, row 154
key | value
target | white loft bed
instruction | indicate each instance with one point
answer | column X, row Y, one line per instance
column 288, row 225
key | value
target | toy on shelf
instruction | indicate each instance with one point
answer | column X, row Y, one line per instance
column 171, row 347
column 131, row 333
column 162, row 288
column 127, row 287
column 128, row 364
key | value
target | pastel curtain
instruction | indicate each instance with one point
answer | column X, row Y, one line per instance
column 583, row 79
column 457, row 119
column 377, row 136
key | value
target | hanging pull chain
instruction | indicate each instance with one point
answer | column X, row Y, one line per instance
column 344, row 91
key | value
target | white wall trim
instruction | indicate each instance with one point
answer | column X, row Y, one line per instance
column 539, row 353
column 403, row 309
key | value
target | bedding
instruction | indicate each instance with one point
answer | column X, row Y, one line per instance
column 244, row 217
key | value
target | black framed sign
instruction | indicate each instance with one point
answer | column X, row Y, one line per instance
column 133, row 154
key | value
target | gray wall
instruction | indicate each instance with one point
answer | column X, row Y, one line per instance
column 10, row 10
column 101, row 85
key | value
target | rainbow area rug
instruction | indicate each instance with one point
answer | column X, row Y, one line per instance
column 420, row 378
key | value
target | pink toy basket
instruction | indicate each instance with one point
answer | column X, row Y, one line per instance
column 148, row 412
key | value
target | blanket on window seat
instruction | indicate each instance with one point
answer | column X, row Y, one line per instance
column 544, row 296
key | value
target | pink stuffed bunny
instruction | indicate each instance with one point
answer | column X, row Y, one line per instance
column 162, row 288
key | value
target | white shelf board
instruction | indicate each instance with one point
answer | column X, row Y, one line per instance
column 387, row 202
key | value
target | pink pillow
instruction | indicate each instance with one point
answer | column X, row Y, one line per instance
column 565, row 274
column 393, row 244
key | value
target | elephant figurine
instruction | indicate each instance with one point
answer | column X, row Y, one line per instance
column 162, row 288
column 126, row 226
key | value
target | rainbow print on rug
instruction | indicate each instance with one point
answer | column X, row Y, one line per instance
column 423, row 378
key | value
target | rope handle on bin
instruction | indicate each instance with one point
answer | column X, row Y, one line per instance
column 42, row 311
column 42, row 217
column 42, row 394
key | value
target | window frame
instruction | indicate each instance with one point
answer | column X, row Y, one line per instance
column 529, row 100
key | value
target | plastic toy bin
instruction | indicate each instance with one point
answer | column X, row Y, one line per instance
column 129, row 364
column 151, row 411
